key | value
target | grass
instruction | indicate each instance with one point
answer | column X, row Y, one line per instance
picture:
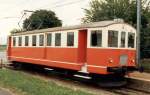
column 26, row 84
column 3, row 47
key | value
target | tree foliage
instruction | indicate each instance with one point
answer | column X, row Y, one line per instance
column 41, row 19
column 16, row 31
column 125, row 9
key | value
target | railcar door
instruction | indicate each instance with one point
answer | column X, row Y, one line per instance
column 82, row 46
column 9, row 47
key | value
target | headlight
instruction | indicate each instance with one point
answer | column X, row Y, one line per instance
column 133, row 61
column 110, row 60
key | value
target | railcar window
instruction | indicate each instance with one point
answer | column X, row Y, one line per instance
column 58, row 39
column 96, row 38
column 26, row 40
column 41, row 40
column 34, row 40
column 70, row 39
column 131, row 38
column 112, row 38
column 49, row 39
column 123, row 37
column 20, row 41
column 14, row 41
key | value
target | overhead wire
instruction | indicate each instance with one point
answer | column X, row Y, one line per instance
column 58, row 5
column 65, row 4
column 54, row 3
column 9, row 18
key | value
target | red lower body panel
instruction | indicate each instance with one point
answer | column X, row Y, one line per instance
column 68, row 58
column 50, row 63
column 99, row 59
column 56, row 57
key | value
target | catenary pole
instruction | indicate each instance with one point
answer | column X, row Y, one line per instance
column 138, row 32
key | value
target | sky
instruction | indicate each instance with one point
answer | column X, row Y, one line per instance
column 11, row 11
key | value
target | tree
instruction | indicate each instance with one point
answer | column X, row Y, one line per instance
column 41, row 19
column 126, row 9
column 111, row 9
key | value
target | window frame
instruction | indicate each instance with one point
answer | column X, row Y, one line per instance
column 96, row 30
column 35, row 40
column 134, row 43
column 51, row 41
column 73, row 42
column 26, row 36
column 14, row 39
column 125, row 39
column 112, row 44
column 41, row 42
column 19, row 41
column 60, row 43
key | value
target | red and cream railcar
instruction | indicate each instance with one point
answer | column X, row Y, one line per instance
column 104, row 47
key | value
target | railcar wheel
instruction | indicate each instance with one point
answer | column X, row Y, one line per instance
column 109, row 80
column 66, row 73
column 16, row 65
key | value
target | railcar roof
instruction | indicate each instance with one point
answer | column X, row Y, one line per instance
column 80, row 27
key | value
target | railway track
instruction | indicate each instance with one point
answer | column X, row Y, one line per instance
column 129, row 91
column 84, row 84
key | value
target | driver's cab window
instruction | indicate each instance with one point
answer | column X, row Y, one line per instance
column 96, row 38
column 131, row 40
